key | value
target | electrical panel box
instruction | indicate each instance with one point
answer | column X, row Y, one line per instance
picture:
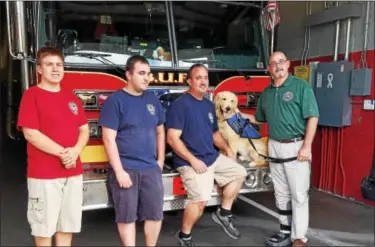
column 332, row 91
column 361, row 82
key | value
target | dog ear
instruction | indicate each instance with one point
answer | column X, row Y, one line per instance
column 216, row 100
column 234, row 104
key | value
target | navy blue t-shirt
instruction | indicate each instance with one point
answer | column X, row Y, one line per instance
column 135, row 118
column 197, row 120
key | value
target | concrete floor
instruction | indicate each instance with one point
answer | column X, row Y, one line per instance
column 333, row 221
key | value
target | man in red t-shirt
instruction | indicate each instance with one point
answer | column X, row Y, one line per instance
column 55, row 126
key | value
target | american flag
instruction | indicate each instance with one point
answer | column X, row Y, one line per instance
column 272, row 15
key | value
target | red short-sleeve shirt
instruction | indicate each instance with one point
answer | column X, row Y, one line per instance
column 57, row 115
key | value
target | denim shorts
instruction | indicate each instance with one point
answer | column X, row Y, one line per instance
column 144, row 200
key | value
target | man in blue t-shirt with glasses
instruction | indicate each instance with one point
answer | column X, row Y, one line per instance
column 134, row 138
column 192, row 134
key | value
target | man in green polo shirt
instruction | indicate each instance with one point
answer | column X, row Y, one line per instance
column 289, row 108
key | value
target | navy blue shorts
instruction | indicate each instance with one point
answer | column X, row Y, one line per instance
column 144, row 200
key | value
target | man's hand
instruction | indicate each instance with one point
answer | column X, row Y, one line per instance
column 251, row 118
column 199, row 166
column 231, row 154
column 69, row 157
column 123, row 179
column 160, row 164
column 304, row 154
column 70, row 165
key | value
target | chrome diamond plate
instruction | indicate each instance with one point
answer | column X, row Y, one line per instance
column 180, row 203
column 96, row 195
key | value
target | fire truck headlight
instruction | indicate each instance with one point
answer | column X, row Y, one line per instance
column 88, row 100
column 94, row 130
column 250, row 180
column 267, row 179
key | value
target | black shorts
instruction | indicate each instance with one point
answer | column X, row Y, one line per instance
column 144, row 200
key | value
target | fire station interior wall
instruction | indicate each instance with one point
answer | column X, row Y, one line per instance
column 342, row 156
column 291, row 31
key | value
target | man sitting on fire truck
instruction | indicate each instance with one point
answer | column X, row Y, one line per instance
column 192, row 134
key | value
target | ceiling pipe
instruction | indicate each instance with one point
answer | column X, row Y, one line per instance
column 366, row 25
column 337, row 36
column 347, row 42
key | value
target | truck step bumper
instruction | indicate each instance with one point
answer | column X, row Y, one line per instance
column 96, row 193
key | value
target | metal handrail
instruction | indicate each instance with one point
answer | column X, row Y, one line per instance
column 9, row 34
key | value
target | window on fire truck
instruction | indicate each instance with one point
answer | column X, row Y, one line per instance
column 117, row 29
column 222, row 36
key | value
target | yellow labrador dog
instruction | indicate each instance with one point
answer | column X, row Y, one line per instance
column 226, row 104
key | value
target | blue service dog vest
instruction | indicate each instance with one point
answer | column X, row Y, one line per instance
column 243, row 127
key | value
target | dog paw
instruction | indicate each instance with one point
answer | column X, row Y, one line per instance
column 252, row 164
column 241, row 158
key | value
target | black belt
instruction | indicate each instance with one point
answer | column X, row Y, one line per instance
column 297, row 139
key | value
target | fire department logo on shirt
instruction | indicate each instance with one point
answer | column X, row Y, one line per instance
column 73, row 107
column 151, row 109
column 287, row 96
column 211, row 117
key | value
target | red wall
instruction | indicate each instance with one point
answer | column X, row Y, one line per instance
column 341, row 168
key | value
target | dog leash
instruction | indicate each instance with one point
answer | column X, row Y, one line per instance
column 271, row 159
column 241, row 126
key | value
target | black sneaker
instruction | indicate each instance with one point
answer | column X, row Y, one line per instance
column 227, row 223
column 279, row 240
column 184, row 241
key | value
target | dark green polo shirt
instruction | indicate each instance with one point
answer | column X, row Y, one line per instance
column 286, row 108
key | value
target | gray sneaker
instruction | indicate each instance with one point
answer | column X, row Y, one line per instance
column 279, row 240
column 227, row 223
column 185, row 242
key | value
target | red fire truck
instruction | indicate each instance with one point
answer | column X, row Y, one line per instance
column 98, row 37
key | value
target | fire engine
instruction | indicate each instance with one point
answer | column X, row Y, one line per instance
column 98, row 37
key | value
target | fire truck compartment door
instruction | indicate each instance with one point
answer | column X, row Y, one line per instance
column 93, row 154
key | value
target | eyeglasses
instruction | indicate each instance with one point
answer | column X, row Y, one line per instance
column 281, row 62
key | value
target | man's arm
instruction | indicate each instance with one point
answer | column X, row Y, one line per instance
column 42, row 142
column 28, row 122
column 110, row 146
column 260, row 116
column 173, row 139
column 310, row 111
column 220, row 142
column 311, row 127
column 251, row 118
column 83, row 138
column 160, row 144
column 304, row 154
column 70, row 154
column 111, row 149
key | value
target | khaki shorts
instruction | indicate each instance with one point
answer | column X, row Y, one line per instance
column 54, row 205
column 199, row 186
